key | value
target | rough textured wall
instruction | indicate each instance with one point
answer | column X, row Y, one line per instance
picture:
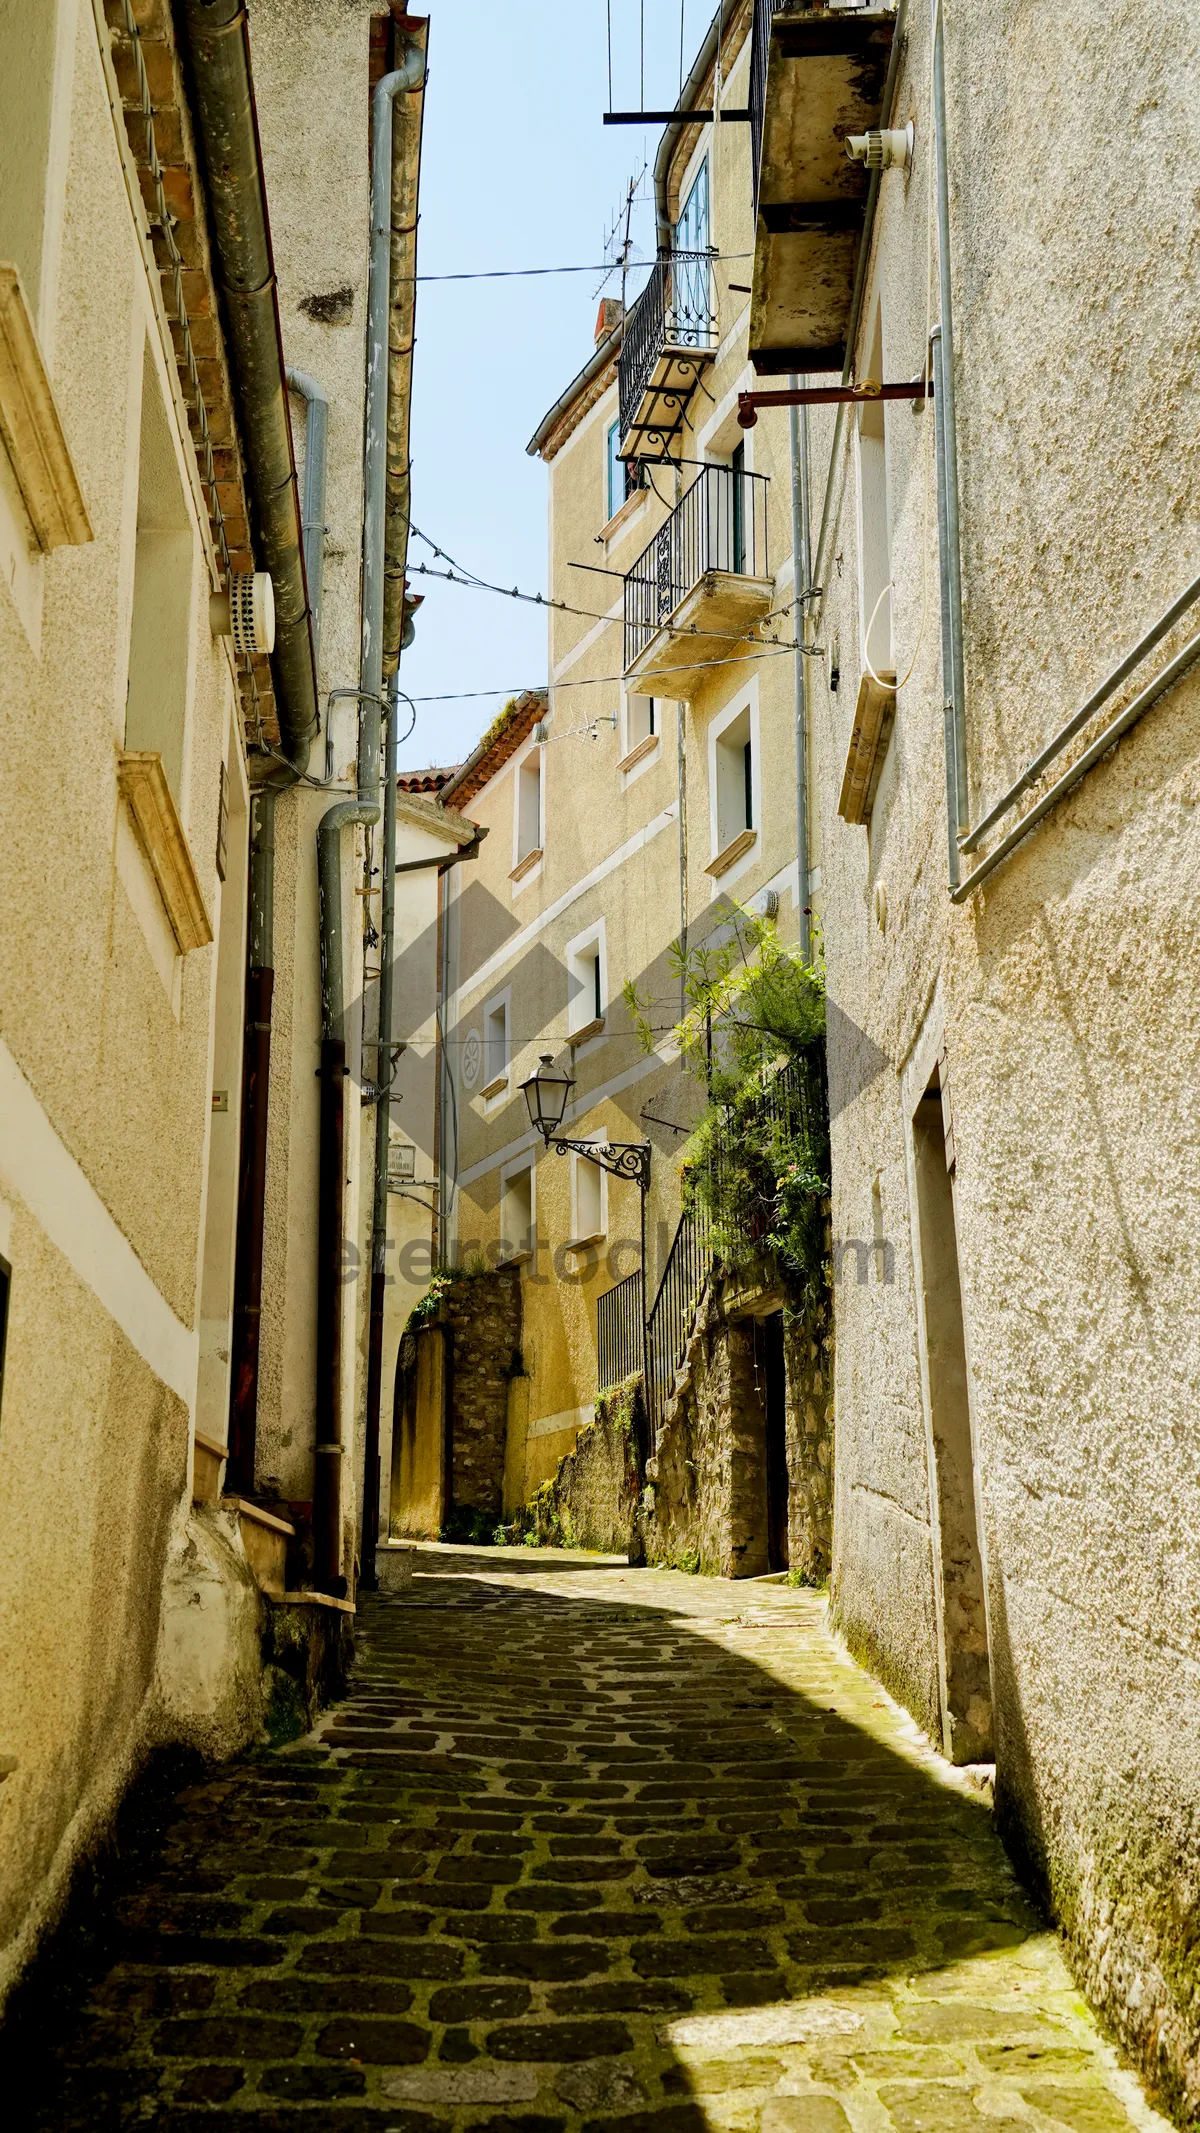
column 482, row 1316
column 808, row 1361
column 593, row 1499
column 1064, row 992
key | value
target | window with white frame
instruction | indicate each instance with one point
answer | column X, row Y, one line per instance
column 874, row 522
column 734, row 773
column 589, row 1200
column 517, row 1211
column 528, row 825
column 495, row 1046
column 587, row 983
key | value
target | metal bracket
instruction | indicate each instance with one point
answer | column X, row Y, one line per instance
column 827, row 396
column 621, row 1159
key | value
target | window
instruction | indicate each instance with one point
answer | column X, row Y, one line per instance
column 27, row 40
column 588, row 1200
column 735, row 780
column 495, row 1047
column 5, row 1284
column 586, row 984
column 516, row 1212
column 874, row 528
column 692, row 293
column 641, row 721
column 528, row 824
column 160, row 632
column 738, row 494
column 623, row 477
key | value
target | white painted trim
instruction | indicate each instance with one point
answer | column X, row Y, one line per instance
column 555, row 1425
column 746, row 700
column 593, row 936
column 59, row 1196
column 469, row 988
column 588, row 639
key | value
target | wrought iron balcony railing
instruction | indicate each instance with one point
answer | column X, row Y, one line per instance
column 621, row 1331
column 672, row 323
column 719, row 525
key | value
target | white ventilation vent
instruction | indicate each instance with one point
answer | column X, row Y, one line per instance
column 246, row 612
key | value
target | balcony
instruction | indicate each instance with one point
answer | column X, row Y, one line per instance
column 700, row 588
column 817, row 74
column 670, row 335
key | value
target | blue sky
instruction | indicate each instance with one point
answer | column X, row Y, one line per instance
column 517, row 171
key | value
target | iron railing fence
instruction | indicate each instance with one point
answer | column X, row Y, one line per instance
column 674, row 1309
column 676, row 309
column 792, row 1097
column 720, row 523
column 620, row 1332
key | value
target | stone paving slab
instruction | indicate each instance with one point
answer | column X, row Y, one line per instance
column 586, row 1848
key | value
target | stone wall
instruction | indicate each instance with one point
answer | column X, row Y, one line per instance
column 593, row 1500
column 482, row 1317
column 808, row 1356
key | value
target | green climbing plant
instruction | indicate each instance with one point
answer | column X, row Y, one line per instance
column 756, row 1166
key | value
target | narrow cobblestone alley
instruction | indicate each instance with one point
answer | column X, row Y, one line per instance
column 585, row 1847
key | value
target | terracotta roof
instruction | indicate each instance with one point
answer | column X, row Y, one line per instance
column 505, row 734
column 425, row 780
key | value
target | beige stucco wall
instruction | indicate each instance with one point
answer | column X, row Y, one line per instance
column 1063, row 991
column 613, row 853
column 106, row 1054
column 312, row 88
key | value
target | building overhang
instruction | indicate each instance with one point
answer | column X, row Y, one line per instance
column 825, row 77
column 715, row 624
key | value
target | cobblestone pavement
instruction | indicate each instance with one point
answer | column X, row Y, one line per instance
column 595, row 1848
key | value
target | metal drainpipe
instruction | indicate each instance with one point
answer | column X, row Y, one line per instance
column 952, row 808
column 316, row 442
column 252, row 1166
column 944, row 413
column 346, row 814
column 383, row 1111
column 798, row 437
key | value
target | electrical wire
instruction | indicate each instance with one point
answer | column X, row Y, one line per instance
column 596, row 681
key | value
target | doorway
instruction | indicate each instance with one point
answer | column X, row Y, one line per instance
column 964, row 1662
column 775, row 1402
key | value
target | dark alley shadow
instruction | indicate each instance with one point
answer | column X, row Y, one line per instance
column 556, row 1862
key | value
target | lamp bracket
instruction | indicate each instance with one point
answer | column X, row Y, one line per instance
column 621, row 1159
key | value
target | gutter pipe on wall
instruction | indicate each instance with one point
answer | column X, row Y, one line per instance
column 798, row 437
column 252, row 1165
column 384, row 1070
column 316, row 445
column 704, row 60
column 227, row 134
column 945, row 605
column 346, row 814
column 944, row 416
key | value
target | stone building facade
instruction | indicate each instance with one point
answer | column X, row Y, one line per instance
column 1011, row 1034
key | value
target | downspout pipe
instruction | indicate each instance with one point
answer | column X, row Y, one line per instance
column 252, row 1166
column 362, row 811
column 316, row 452
column 701, row 65
column 801, row 565
column 944, row 413
column 368, row 1576
column 222, row 103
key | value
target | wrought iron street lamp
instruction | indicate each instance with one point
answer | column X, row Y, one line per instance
column 546, row 1094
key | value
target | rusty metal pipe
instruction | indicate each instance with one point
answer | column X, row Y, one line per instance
column 222, row 103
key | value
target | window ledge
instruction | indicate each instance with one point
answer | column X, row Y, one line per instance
column 526, row 865
column 580, row 1244
column 621, row 517
column 732, row 853
column 635, row 755
column 874, row 717
column 515, row 1258
column 143, row 783
column 494, row 1088
column 589, row 1030
column 31, row 430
